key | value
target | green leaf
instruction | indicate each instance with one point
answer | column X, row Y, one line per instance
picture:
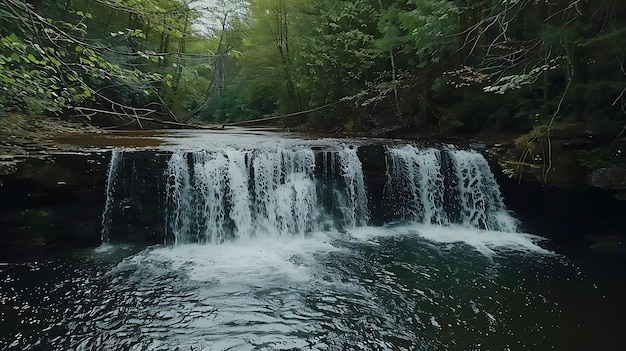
column 32, row 58
column 15, row 57
column 13, row 38
column 79, row 48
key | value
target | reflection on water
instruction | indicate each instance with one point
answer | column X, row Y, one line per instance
column 370, row 289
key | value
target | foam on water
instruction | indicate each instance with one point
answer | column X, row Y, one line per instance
column 104, row 247
column 247, row 294
column 486, row 242
column 286, row 293
column 249, row 262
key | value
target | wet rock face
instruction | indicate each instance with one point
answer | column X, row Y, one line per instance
column 568, row 156
column 8, row 165
column 57, row 204
column 570, row 216
column 48, row 205
column 374, row 164
column 26, row 139
column 612, row 177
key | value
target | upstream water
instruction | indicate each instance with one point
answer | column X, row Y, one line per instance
column 272, row 243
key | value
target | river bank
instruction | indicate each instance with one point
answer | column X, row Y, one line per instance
column 25, row 138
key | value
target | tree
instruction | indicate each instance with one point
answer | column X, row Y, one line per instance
column 60, row 64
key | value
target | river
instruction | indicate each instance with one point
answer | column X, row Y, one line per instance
column 269, row 242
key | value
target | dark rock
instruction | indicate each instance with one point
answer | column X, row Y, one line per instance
column 478, row 146
column 612, row 177
column 567, row 215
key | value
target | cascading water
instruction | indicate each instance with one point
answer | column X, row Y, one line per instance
column 112, row 174
column 235, row 193
column 355, row 209
column 215, row 196
column 178, row 202
column 415, row 184
column 481, row 202
column 420, row 188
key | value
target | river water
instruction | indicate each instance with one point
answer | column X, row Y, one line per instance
column 269, row 244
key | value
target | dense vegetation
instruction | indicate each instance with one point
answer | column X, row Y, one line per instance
column 462, row 65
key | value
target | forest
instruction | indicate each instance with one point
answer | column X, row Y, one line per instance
column 445, row 66
column 312, row 175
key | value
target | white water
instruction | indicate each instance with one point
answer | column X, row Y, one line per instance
column 217, row 196
column 480, row 198
column 488, row 243
column 326, row 291
column 284, row 190
column 178, row 203
column 112, row 175
column 415, row 176
column 420, row 189
column 354, row 206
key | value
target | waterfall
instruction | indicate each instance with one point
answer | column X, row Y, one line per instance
column 235, row 193
column 481, row 204
column 112, row 174
column 354, row 202
column 421, row 188
column 415, row 184
column 178, row 201
column 283, row 190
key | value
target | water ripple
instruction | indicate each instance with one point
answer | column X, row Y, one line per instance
column 324, row 292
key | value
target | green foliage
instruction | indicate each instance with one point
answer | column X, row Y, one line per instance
column 516, row 81
column 79, row 59
column 339, row 50
column 426, row 29
column 441, row 64
column 31, row 77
